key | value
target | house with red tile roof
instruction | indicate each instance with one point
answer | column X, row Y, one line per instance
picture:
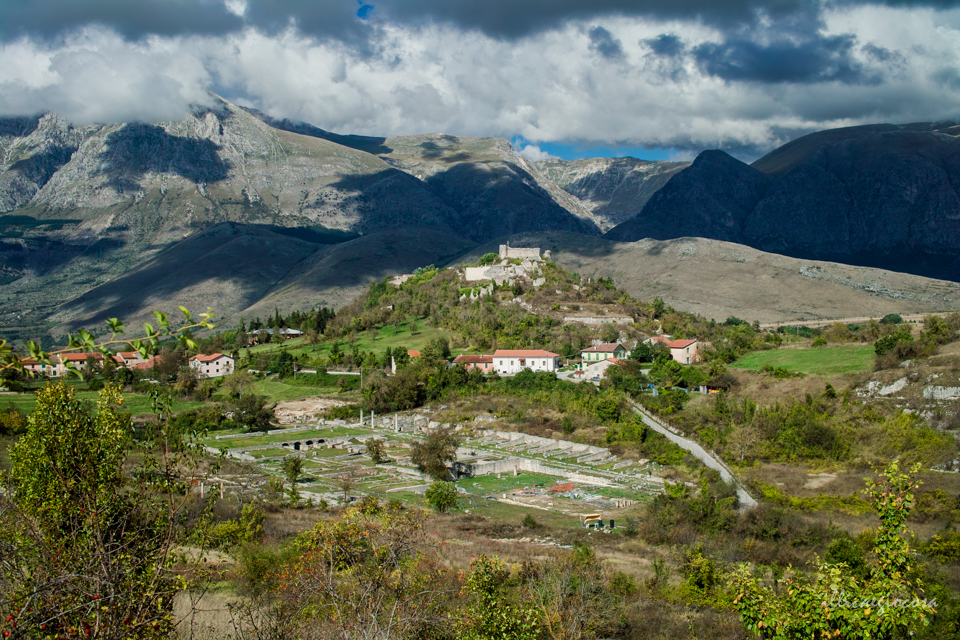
column 128, row 358
column 78, row 360
column 212, row 366
column 603, row 352
column 684, row 351
column 40, row 369
column 481, row 362
column 511, row 361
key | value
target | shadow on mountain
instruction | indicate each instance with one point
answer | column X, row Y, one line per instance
column 232, row 267
column 18, row 126
column 431, row 150
column 369, row 144
column 40, row 167
column 317, row 234
column 229, row 264
column 496, row 199
column 392, row 199
column 138, row 149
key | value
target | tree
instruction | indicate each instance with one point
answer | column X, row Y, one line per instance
column 571, row 598
column 492, row 615
column 368, row 573
column 346, row 482
column 236, row 383
column 838, row 602
column 432, row 454
column 86, row 551
column 293, row 468
column 251, row 412
column 376, row 450
column 442, row 496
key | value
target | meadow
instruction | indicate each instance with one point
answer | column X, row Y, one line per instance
column 821, row 361
column 136, row 404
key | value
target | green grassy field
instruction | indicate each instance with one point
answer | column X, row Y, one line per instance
column 137, row 404
column 276, row 391
column 256, row 441
column 376, row 340
column 823, row 361
column 507, row 482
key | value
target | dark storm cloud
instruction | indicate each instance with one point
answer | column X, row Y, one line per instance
column 349, row 19
column 508, row 19
column 324, row 18
column 667, row 45
column 603, row 42
column 130, row 18
column 817, row 59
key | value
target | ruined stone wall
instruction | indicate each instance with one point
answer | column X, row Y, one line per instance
column 507, row 252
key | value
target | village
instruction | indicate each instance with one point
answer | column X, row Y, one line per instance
column 529, row 469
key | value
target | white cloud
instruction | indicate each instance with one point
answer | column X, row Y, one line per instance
column 549, row 87
column 96, row 76
column 236, row 7
column 533, row 152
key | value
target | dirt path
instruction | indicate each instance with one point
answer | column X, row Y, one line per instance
column 918, row 317
column 293, row 411
column 701, row 454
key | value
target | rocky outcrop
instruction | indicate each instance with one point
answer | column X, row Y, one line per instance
column 613, row 189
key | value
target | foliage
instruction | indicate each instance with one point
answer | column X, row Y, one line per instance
column 292, row 467
column 492, row 615
column 889, row 342
column 368, row 573
column 376, row 450
column 231, row 533
column 85, row 551
column 432, row 453
column 442, row 496
column 251, row 412
column 12, row 422
column 837, row 602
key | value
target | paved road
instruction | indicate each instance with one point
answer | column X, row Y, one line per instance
column 701, row 454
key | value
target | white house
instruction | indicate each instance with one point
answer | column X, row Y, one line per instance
column 598, row 369
column 684, row 351
column 511, row 361
column 212, row 366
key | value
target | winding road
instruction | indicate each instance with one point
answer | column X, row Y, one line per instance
column 701, row 454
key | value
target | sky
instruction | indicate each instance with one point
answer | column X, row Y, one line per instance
column 656, row 79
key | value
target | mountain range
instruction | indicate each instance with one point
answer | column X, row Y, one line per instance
column 878, row 195
column 234, row 209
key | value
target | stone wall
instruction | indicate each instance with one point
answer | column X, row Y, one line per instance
column 597, row 321
column 507, row 252
column 509, row 465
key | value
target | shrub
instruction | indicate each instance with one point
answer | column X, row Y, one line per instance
column 442, row 496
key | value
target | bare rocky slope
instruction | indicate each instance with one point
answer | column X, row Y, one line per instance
column 613, row 189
